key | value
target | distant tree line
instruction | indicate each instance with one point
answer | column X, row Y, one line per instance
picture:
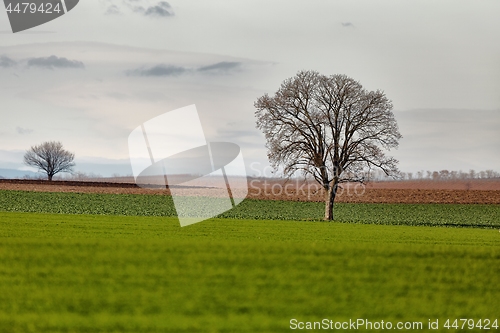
column 439, row 175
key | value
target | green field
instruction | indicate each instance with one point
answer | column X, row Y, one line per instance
column 485, row 216
column 109, row 273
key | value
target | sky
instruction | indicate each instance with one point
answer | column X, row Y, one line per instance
column 90, row 77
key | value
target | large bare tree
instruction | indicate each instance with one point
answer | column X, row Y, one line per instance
column 50, row 157
column 330, row 128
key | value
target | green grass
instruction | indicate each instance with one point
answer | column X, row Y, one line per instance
column 486, row 216
column 98, row 273
column 121, row 263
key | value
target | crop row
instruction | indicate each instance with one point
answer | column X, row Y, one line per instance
column 160, row 205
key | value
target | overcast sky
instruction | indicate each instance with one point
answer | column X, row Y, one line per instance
column 91, row 76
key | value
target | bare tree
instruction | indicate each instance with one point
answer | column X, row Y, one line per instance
column 50, row 157
column 444, row 175
column 330, row 128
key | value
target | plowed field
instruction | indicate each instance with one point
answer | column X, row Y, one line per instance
column 472, row 192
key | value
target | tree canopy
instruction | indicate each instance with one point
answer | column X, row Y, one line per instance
column 50, row 157
column 328, row 127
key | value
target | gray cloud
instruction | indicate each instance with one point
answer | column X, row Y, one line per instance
column 162, row 9
column 23, row 131
column 347, row 25
column 55, row 62
column 6, row 62
column 147, row 8
column 113, row 10
column 172, row 70
column 159, row 70
column 223, row 66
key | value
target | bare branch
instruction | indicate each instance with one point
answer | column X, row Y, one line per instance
column 328, row 127
column 50, row 157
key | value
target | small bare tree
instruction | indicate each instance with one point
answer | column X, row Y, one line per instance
column 50, row 157
column 328, row 127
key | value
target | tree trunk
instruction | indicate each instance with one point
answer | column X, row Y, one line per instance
column 49, row 177
column 329, row 200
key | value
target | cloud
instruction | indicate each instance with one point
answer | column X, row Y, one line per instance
column 347, row 25
column 162, row 9
column 223, row 66
column 23, row 131
column 113, row 10
column 6, row 62
column 159, row 70
column 173, row 70
column 55, row 62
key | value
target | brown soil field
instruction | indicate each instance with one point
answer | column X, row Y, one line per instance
column 472, row 192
